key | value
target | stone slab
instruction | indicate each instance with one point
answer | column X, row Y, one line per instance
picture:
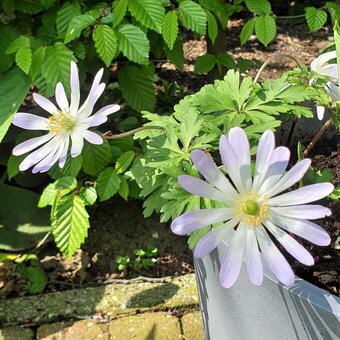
column 192, row 326
column 16, row 333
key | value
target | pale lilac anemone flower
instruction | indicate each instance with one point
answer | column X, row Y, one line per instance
column 256, row 207
column 68, row 125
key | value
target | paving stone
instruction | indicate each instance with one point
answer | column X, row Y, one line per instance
column 79, row 330
column 192, row 326
column 147, row 326
column 112, row 300
column 16, row 333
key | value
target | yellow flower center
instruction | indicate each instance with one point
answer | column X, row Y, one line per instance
column 252, row 209
column 61, row 122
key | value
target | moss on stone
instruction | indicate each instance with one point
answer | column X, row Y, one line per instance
column 192, row 326
column 16, row 333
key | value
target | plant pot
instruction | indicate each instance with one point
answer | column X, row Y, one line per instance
column 269, row 312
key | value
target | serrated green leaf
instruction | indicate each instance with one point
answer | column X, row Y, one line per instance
column 226, row 60
column 80, row 51
column 23, row 58
column 176, row 55
column 170, row 28
column 13, row 165
column 316, row 18
column 205, row 63
column 76, row 25
column 70, row 223
column 28, row 6
column 259, row 7
column 193, row 16
column 150, row 13
column 20, row 42
column 133, row 43
column 108, row 184
column 124, row 161
column 105, row 41
column 247, row 31
column 96, row 157
column 56, row 66
column 6, row 38
column 65, row 15
column 212, row 27
column 137, row 87
column 265, row 29
column 88, row 195
column 119, row 10
column 124, row 189
column 37, row 60
column 71, row 168
column 63, row 184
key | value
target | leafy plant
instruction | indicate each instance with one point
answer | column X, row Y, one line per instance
column 145, row 258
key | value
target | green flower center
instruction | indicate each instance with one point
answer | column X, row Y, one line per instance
column 251, row 207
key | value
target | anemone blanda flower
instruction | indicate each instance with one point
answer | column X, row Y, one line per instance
column 256, row 207
column 322, row 66
column 68, row 125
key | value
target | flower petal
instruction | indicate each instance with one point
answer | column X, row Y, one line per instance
column 63, row 155
column 239, row 141
column 263, row 156
column 77, row 144
column 31, row 144
column 290, row 178
column 274, row 259
column 303, row 228
column 320, row 111
column 293, row 247
column 310, row 212
column 193, row 220
column 92, row 137
column 30, row 122
column 211, row 240
column 45, row 103
column 307, row 194
column 100, row 117
column 333, row 90
column 75, row 89
column 198, row 187
column 253, row 258
column 209, row 170
column 320, row 65
column 61, row 98
column 231, row 264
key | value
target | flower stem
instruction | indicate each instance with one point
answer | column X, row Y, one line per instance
column 110, row 135
column 316, row 138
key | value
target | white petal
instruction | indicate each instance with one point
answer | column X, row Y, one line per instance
column 61, row 98
column 100, row 117
column 320, row 65
column 31, row 144
column 209, row 170
column 108, row 109
column 307, row 194
column 290, row 178
column 253, row 258
column 77, row 144
column 263, row 156
column 92, row 137
column 63, row 155
column 95, row 120
column 30, row 122
column 45, row 103
column 303, row 228
column 231, row 264
column 309, row 211
column 333, row 90
column 320, row 111
column 274, row 259
column 211, row 240
column 193, row 220
column 293, row 247
column 198, row 187
column 75, row 89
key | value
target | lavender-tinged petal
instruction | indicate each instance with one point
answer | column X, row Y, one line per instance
column 253, row 258
column 77, row 144
column 31, row 144
column 61, row 98
column 91, row 101
column 308, row 212
column 45, row 103
column 193, row 220
column 28, row 121
column 75, row 89
column 92, row 137
column 307, row 194
column 108, row 109
column 320, row 112
column 274, row 259
column 63, row 156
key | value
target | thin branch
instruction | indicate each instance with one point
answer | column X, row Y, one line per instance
column 317, row 137
column 270, row 59
column 290, row 16
column 109, row 135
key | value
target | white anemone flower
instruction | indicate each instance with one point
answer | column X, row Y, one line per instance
column 68, row 125
column 255, row 207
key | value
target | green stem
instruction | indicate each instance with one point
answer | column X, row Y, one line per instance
column 130, row 133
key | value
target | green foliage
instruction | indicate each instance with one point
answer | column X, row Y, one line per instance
column 122, row 263
column 23, row 58
column 192, row 16
column 259, row 7
column 96, row 157
column 170, row 29
column 108, row 184
column 105, row 41
column 265, row 29
column 247, row 31
column 316, row 18
column 124, row 161
column 205, row 63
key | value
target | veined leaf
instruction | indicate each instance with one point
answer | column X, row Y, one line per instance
column 37, row 60
column 119, row 10
column 247, row 31
column 170, row 28
column 137, row 87
column 28, row 6
column 133, row 43
column 66, row 13
column 259, row 7
column 205, row 63
column 20, row 42
column 124, row 161
column 193, row 16
column 176, row 55
column 150, row 13
column 315, row 18
column 105, row 41
column 6, row 38
column 56, row 66
column 108, row 184
column 76, row 25
column 23, row 58
column 88, row 195
column 71, row 168
column 212, row 27
column 70, row 223
column 265, row 29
